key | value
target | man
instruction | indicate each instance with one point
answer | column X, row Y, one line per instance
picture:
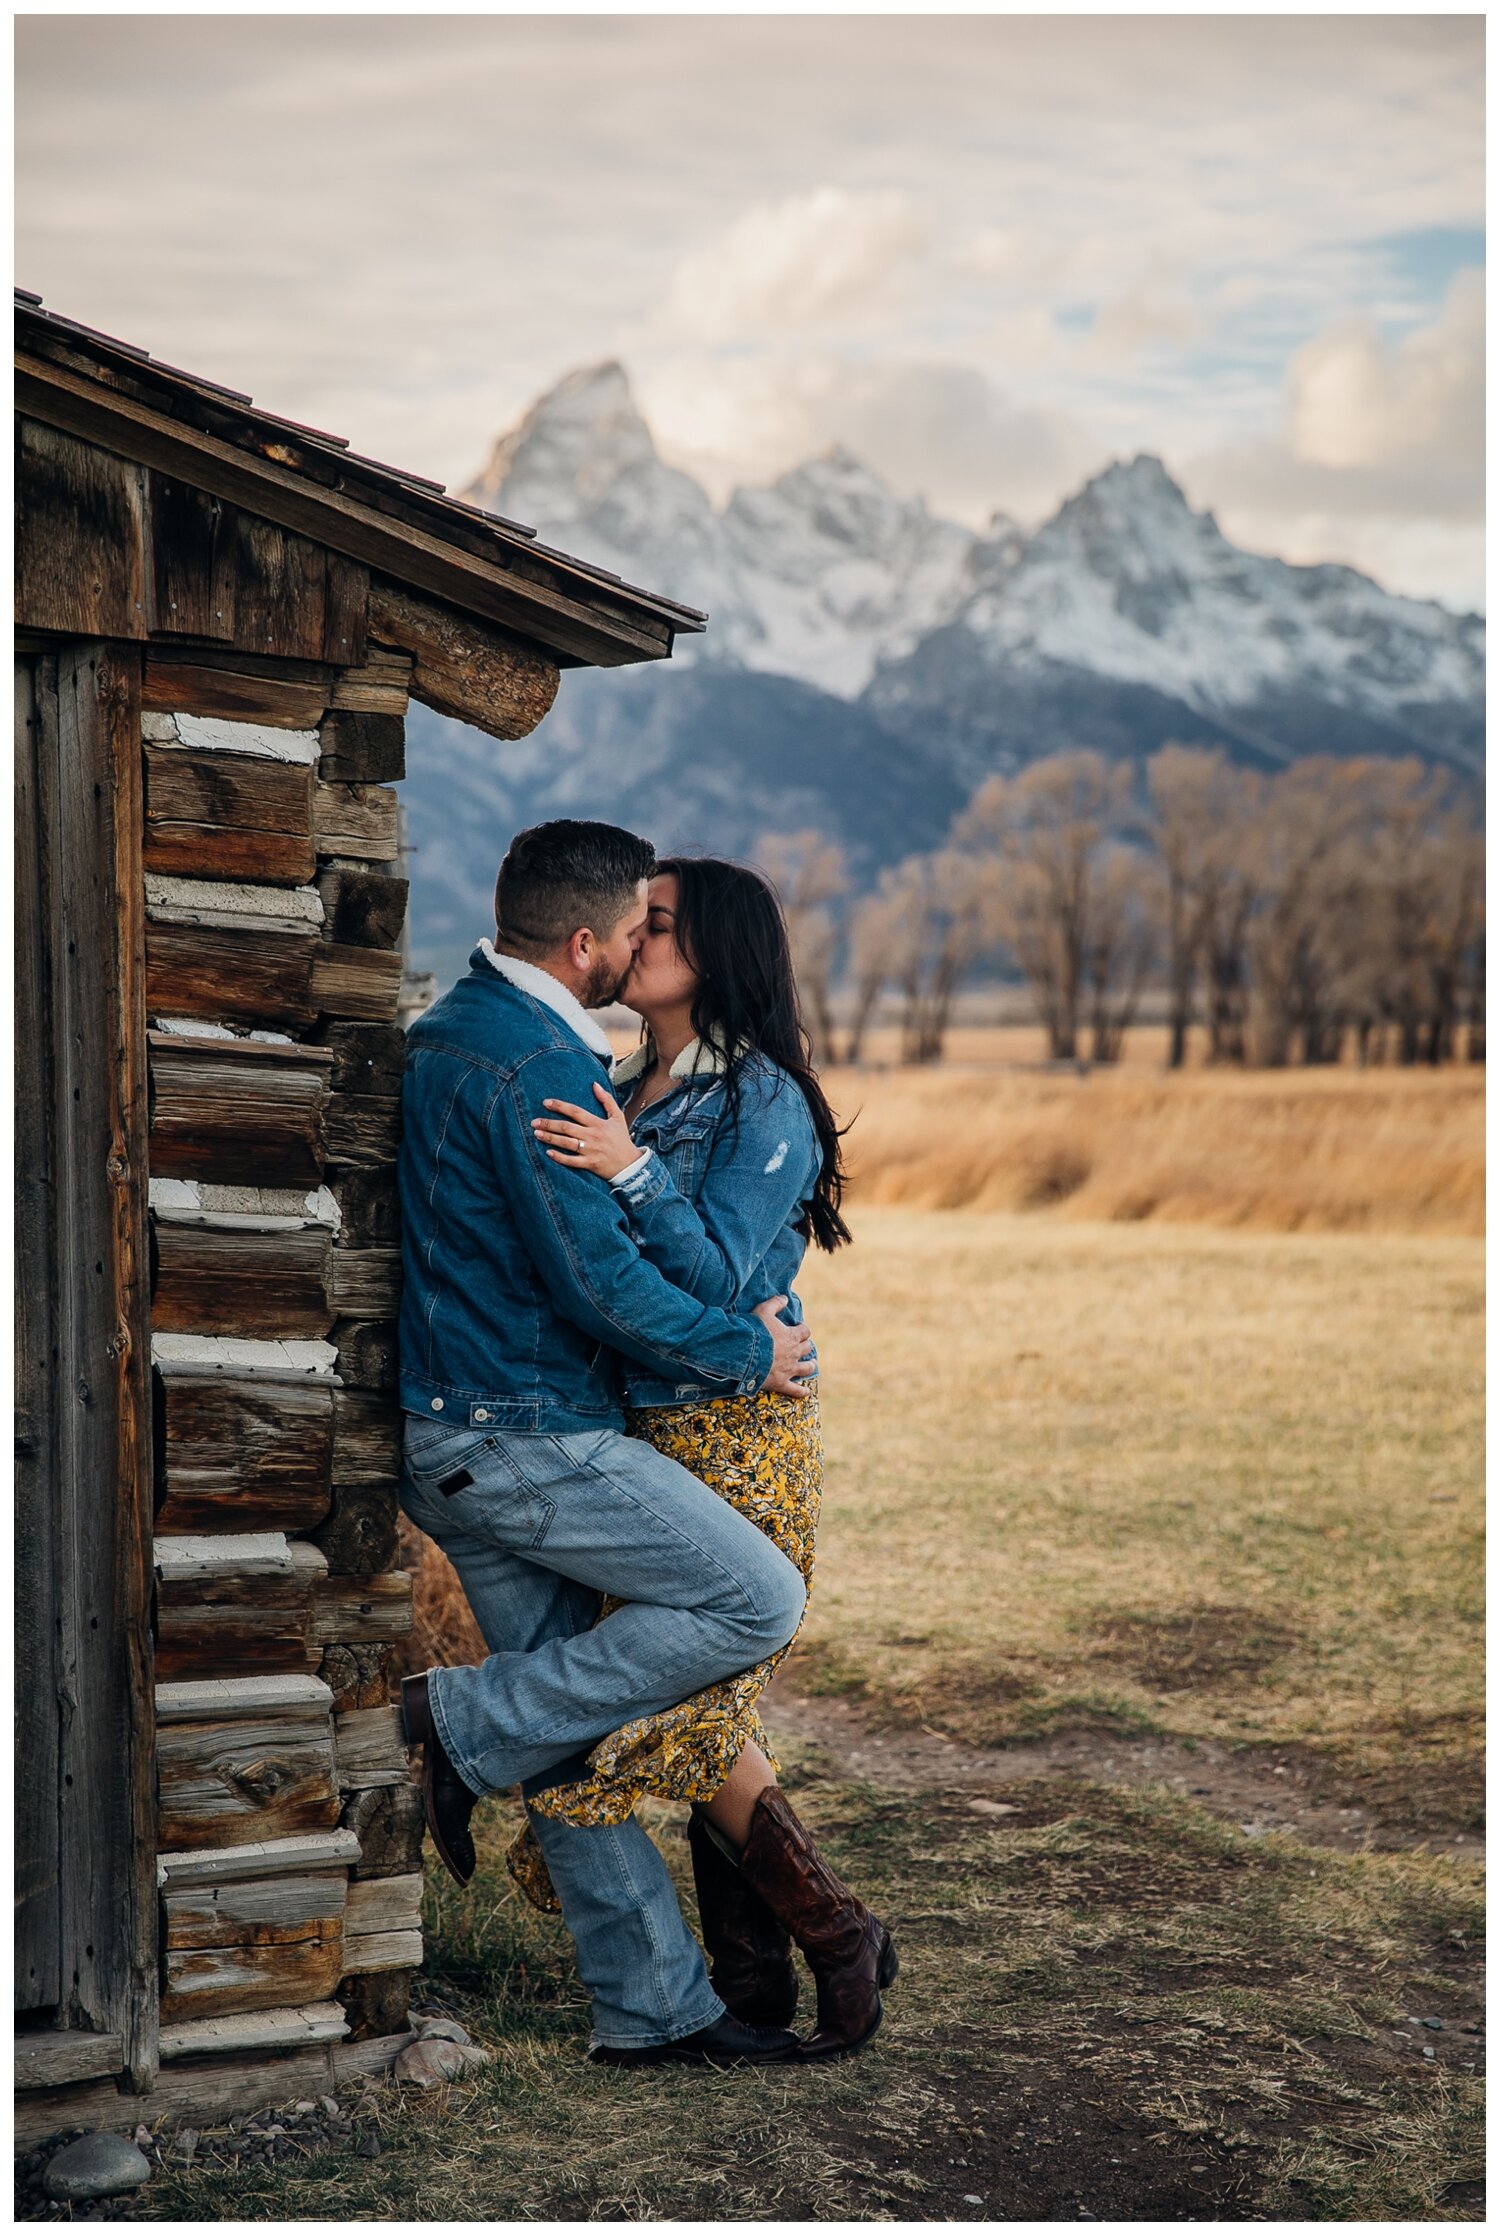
column 522, row 1284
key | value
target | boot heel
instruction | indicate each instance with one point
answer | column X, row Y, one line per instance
column 890, row 1963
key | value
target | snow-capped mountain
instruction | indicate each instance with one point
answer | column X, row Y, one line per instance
column 867, row 663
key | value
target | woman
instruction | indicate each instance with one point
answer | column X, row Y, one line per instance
column 726, row 1157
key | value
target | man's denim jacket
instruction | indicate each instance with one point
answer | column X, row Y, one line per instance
column 523, row 1282
column 718, row 1206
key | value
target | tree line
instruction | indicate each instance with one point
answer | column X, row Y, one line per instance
column 1331, row 908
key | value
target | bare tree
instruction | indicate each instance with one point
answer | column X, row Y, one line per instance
column 879, row 937
column 1200, row 808
column 1120, row 947
column 1046, row 827
column 810, row 874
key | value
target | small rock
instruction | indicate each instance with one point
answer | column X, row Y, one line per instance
column 1435, row 2024
column 330, row 2105
column 304, row 2104
column 96, row 2166
column 1429, row 2053
column 969, row 2199
column 995, row 1808
column 368, row 2146
column 186, row 2145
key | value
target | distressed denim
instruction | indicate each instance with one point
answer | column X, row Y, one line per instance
column 523, row 1286
column 538, row 1526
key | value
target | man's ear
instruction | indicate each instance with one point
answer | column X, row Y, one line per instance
column 581, row 948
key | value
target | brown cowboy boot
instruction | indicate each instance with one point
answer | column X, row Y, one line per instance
column 851, row 1955
column 749, row 1949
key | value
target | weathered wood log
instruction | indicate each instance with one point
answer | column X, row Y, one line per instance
column 363, row 906
column 242, row 1451
column 265, row 1859
column 236, row 687
column 363, row 1129
column 370, row 1749
column 359, row 1676
column 269, row 1912
column 361, row 748
column 230, row 1616
column 211, row 1983
column 470, row 669
column 362, row 1611
column 282, row 602
column 359, row 1537
column 369, row 1204
column 377, row 2003
column 205, row 2088
column 296, row 2027
column 355, row 982
column 238, row 1111
column 228, row 815
column 391, row 1823
column 234, row 977
column 220, row 1783
column 358, row 820
column 385, row 1905
column 216, row 1275
column 367, row 1353
column 381, row 1952
column 367, row 1059
column 366, row 1439
column 365, row 1284
column 380, row 685
column 51, row 2059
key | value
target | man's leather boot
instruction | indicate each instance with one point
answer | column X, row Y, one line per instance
column 749, row 1949
column 850, row 1954
column 448, row 1800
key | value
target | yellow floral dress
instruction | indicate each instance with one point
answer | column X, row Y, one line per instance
column 765, row 1455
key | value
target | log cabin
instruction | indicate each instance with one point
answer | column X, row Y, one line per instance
column 220, row 618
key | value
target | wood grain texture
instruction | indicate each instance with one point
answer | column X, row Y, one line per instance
column 361, row 748
column 228, row 815
column 268, row 1859
column 242, row 1451
column 214, row 1983
column 367, row 1353
column 292, row 2027
column 108, row 1917
column 385, row 1905
column 211, row 1279
column 369, row 1748
column 280, row 590
column 364, row 1130
column 37, row 1540
column 381, row 1952
column 359, row 1536
column 367, row 1059
column 355, row 982
column 192, row 539
column 251, row 1624
column 221, row 1783
column 465, row 668
column 366, row 1283
column 391, row 1822
column 249, row 1113
column 362, row 1611
column 229, row 976
column 81, row 550
column 359, row 1676
column 380, row 685
column 356, row 820
column 49, row 2060
column 289, row 696
column 363, row 907
column 377, row 2005
column 369, row 1203
column 200, row 2088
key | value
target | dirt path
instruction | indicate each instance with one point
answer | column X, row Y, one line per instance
column 1262, row 1790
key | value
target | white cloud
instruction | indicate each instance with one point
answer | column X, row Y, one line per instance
column 1358, row 403
column 799, row 263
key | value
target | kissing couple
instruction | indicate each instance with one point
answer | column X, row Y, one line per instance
column 611, row 1429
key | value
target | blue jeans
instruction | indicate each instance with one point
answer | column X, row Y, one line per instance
column 537, row 1527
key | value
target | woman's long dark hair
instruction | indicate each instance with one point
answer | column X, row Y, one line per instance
column 730, row 929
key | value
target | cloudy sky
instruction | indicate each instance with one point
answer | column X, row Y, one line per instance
column 989, row 253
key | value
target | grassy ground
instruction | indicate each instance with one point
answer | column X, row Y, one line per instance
column 1214, row 1484
column 1118, row 1476
column 1110, row 2004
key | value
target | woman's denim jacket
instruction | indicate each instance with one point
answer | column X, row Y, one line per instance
column 718, row 1205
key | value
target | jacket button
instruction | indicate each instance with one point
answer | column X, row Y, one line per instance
column 437, row 1405
column 481, row 1413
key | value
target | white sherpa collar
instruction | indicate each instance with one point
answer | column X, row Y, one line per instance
column 698, row 1057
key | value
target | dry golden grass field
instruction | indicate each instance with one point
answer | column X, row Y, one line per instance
column 1153, row 1411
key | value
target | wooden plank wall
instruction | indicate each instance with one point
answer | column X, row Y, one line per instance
column 289, row 1828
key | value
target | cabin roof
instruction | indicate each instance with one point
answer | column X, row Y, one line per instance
column 117, row 395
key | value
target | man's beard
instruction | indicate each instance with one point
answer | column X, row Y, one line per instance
column 603, row 984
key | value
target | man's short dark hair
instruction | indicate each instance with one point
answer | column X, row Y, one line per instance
column 559, row 877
